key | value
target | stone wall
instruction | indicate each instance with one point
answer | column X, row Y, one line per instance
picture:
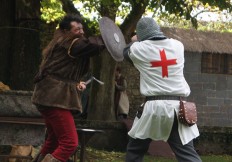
column 17, row 104
column 212, row 93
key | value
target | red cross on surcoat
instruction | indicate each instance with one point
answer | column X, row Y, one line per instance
column 164, row 63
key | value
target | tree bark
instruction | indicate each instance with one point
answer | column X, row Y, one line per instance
column 128, row 26
column 7, row 16
column 20, row 44
column 102, row 96
column 25, row 47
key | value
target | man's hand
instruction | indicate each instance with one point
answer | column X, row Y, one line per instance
column 81, row 86
column 134, row 38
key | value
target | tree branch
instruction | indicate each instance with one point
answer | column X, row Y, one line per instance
column 69, row 7
column 200, row 13
column 129, row 24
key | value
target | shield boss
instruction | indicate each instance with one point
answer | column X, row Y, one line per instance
column 113, row 38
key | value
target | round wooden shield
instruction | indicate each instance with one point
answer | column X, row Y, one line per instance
column 113, row 38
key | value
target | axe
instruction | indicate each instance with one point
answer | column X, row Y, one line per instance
column 93, row 78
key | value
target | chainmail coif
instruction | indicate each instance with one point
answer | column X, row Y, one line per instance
column 147, row 28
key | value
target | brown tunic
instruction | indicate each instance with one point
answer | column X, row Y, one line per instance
column 65, row 62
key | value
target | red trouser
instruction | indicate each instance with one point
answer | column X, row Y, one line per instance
column 62, row 139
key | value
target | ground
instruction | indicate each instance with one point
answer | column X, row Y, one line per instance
column 94, row 155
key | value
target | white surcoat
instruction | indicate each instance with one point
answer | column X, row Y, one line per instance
column 161, row 64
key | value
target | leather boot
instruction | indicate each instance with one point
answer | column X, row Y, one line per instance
column 50, row 158
column 38, row 158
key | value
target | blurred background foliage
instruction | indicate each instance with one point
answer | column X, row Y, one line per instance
column 200, row 14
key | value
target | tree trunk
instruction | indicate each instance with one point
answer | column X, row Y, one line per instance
column 19, row 43
column 7, row 13
column 25, row 46
column 101, row 105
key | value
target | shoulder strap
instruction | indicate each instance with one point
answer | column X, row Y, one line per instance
column 69, row 49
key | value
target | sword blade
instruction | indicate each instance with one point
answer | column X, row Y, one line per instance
column 100, row 82
column 89, row 81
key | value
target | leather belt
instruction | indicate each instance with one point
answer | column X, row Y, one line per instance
column 148, row 98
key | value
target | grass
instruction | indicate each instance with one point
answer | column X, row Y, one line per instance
column 93, row 155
